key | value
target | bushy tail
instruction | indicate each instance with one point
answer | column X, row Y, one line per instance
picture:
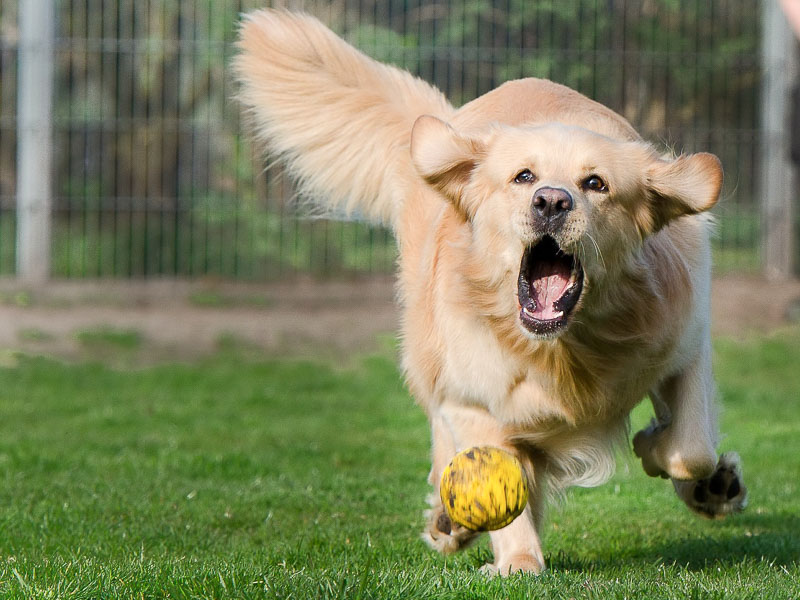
column 340, row 120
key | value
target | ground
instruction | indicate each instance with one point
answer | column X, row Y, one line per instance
column 178, row 320
column 175, row 320
column 236, row 476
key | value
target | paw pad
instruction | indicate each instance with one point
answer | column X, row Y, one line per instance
column 719, row 495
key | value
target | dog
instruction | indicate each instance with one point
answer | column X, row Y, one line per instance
column 553, row 270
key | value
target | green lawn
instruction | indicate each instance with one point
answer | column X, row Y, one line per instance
column 245, row 478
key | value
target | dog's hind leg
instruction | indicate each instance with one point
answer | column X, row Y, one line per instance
column 516, row 547
column 681, row 442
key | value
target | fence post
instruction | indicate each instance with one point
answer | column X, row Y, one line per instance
column 778, row 176
column 34, row 138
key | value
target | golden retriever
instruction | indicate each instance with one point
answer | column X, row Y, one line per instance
column 554, row 268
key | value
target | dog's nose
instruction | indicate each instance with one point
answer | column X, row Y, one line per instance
column 550, row 207
column 550, row 203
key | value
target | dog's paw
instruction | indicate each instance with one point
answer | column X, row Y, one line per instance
column 442, row 534
column 517, row 563
column 719, row 495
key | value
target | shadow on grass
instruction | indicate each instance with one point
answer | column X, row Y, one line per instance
column 763, row 537
column 770, row 538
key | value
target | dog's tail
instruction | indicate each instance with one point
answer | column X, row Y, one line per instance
column 340, row 120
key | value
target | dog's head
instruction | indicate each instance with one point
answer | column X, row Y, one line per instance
column 558, row 206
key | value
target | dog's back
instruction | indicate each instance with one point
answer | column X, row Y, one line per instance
column 534, row 101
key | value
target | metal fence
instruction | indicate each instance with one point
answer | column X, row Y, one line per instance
column 153, row 177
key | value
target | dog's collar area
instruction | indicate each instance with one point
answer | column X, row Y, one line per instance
column 549, row 285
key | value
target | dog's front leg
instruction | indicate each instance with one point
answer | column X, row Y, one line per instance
column 516, row 547
column 440, row 532
column 681, row 442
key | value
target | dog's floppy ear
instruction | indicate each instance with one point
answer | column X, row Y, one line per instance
column 445, row 159
column 687, row 185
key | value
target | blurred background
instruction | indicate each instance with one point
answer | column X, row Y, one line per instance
column 151, row 178
column 154, row 276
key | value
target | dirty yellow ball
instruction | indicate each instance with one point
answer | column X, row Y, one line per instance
column 484, row 488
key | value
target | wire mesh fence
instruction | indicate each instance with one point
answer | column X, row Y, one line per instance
column 153, row 176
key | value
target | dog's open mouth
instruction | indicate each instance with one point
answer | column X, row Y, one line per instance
column 549, row 286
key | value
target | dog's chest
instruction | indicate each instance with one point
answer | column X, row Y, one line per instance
column 541, row 387
column 477, row 370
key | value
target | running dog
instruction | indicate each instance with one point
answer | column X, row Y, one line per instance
column 554, row 268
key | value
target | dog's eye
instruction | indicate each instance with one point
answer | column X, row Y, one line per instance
column 525, row 176
column 595, row 183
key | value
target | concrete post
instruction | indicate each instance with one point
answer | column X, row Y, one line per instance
column 34, row 139
column 778, row 173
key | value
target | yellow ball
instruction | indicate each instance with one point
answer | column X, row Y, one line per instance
column 484, row 488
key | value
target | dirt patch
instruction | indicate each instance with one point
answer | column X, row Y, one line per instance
column 159, row 320
column 154, row 321
column 742, row 306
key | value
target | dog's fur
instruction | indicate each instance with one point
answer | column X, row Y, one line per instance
column 371, row 140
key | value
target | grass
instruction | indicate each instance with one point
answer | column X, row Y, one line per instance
column 107, row 338
column 242, row 478
column 213, row 299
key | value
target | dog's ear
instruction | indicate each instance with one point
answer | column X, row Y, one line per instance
column 445, row 159
column 687, row 185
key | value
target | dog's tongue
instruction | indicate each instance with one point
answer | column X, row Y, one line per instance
column 549, row 281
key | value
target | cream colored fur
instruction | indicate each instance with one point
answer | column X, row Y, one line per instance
column 376, row 142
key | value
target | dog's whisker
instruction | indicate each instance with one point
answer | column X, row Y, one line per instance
column 597, row 250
